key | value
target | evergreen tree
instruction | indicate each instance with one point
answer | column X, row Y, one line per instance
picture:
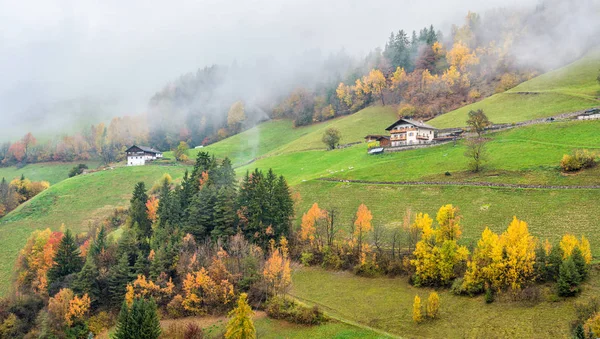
column 139, row 212
column 164, row 202
column 579, row 261
column 119, row 276
column 554, row 263
column 128, row 245
column 67, row 259
column 140, row 321
column 541, row 265
column 568, row 279
column 226, row 175
column 224, row 214
column 87, row 281
column 241, row 326
column 99, row 243
column 284, row 211
column 141, row 267
column 201, row 213
column 579, row 332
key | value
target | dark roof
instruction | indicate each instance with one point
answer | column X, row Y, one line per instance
column 377, row 137
column 144, row 148
column 412, row 122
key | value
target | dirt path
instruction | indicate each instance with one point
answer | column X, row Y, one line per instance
column 467, row 184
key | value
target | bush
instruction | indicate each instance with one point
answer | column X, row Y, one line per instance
column 489, row 296
column 306, row 258
column 331, row 260
column 179, row 330
column 99, row 322
column 280, row 308
column 581, row 159
column 175, row 307
column 77, row 170
column 368, row 269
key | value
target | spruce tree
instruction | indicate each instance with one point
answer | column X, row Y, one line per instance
column 579, row 332
column 224, row 217
column 554, row 263
column 201, row 211
column 140, row 321
column 99, row 243
column 119, row 276
column 87, row 280
column 141, row 266
column 139, row 211
column 579, row 261
column 67, row 259
column 568, row 279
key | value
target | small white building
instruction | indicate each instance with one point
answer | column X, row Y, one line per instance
column 138, row 155
column 410, row 132
column 590, row 114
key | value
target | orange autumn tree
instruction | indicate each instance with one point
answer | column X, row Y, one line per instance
column 145, row 288
column 309, row 227
column 35, row 260
column 78, row 309
column 152, row 207
column 362, row 226
column 277, row 272
column 210, row 289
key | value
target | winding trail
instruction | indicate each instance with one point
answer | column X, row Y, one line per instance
column 467, row 184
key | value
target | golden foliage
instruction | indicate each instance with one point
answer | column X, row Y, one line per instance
column 449, row 221
column 416, row 313
column 433, row 305
column 144, row 288
column 152, row 207
column 35, row 259
column 398, row 78
column 461, row 57
column 503, row 261
column 236, row 114
column 310, row 219
column 240, row 326
column 568, row 244
column 78, row 309
column 277, row 272
column 207, row 288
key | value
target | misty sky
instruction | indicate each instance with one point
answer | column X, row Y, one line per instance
column 126, row 50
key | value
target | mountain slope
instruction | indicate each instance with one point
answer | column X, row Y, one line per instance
column 568, row 89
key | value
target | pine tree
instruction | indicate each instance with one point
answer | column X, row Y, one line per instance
column 568, row 279
column 119, row 276
column 241, row 326
column 87, row 281
column 139, row 212
column 140, row 321
column 66, row 259
column 579, row 332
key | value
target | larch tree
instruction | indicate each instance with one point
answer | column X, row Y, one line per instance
column 240, row 325
column 416, row 311
column 310, row 225
column 362, row 226
column 433, row 305
column 376, row 83
column 236, row 116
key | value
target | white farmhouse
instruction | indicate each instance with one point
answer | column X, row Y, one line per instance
column 138, row 155
column 590, row 114
column 410, row 132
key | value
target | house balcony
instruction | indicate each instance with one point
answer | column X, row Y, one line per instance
column 403, row 130
column 393, row 138
column 421, row 137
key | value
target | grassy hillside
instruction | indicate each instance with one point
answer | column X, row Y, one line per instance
column 568, row 89
column 549, row 213
column 528, row 155
column 386, row 304
column 280, row 136
column 74, row 202
column 52, row 172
